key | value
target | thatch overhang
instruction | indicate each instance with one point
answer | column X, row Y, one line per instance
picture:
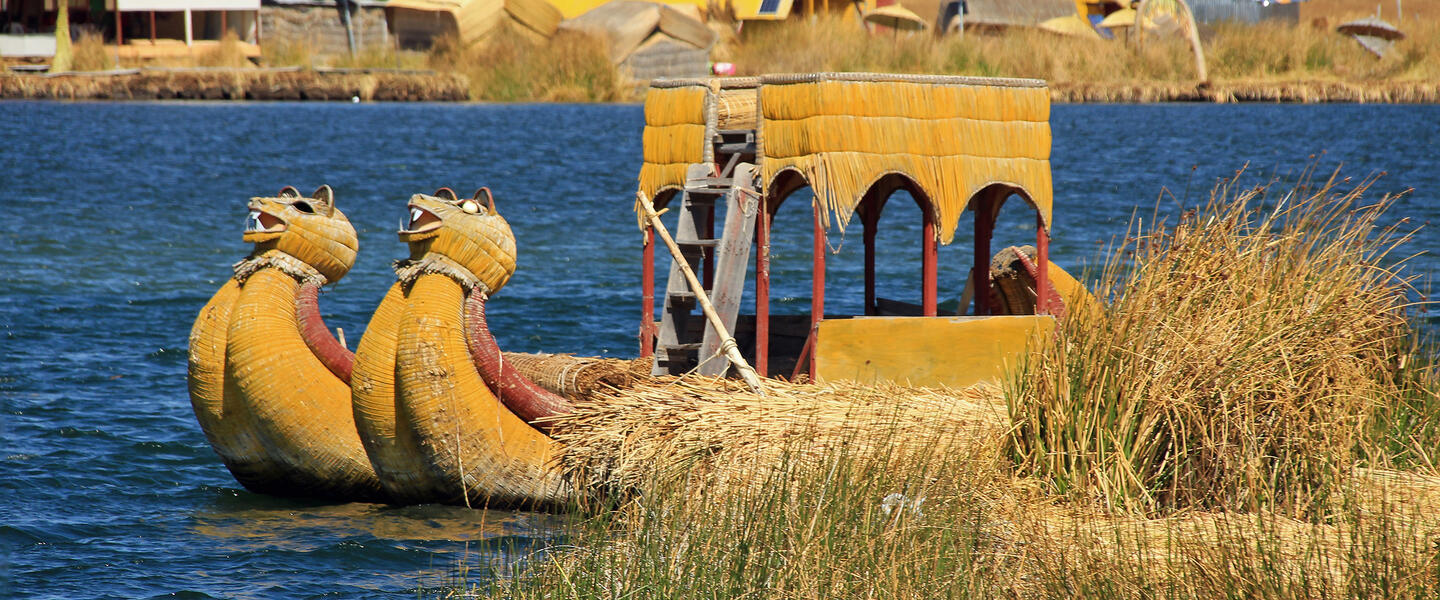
column 844, row 134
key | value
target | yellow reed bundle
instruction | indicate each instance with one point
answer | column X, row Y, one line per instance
column 680, row 427
column 479, row 451
column 675, row 137
column 301, row 411
column 276, row 414
column 737, row 108
column 953, row 136
column 433, row 429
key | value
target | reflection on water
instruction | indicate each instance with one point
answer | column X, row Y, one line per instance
column 244, row 527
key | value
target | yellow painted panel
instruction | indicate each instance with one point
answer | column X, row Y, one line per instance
column 950, row 351
column 575, row 8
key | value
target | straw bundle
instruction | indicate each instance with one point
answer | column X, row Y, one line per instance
column 676, row 133
column 952, row 135
column 432, row 426
column 577, row 377
column 677, row 428
column 737, row 107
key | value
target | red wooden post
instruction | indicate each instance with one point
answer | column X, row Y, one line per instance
column 871, row 220
column 152, row 27
column 647, row 301
column 929, row 266
column 817, row 287
column 984, row 226
column 257, row 28
column 119, row 31
column 762, row 291
column 1042, row 267
column 223, row 25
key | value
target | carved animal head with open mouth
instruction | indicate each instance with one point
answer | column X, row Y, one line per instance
column 310, row 229
column 466, row 231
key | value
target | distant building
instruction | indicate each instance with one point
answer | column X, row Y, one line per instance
column 319, row 25
column 138, row 28
column 1245, row 11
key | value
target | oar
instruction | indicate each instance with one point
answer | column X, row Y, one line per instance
column 727, row 343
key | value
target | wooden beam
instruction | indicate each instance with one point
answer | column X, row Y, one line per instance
column 929, row 264
column 152, row 27
column 871, row 220
column 1042, row 268
column 647, row 299
column 817, row 286
column 984, row 227
column 762, row 289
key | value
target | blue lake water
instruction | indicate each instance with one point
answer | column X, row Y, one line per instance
column 120, row 220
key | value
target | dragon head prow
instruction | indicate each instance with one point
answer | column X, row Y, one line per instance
column 468, row 233
column 310, row 229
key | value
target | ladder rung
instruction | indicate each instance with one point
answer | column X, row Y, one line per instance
column 710, row 243
column 712, row 183
column 741, row 148
column 682, row 347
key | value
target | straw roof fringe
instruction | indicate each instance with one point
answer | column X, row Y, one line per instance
column 951, row 137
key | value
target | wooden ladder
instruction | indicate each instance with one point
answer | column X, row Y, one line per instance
column 685, row 339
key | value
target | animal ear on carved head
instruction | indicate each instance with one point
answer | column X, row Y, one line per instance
column 325, row 197
column 447, row 194
column 289, row 191
column 483, row 195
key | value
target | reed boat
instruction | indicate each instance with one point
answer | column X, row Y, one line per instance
column 444, row 416
column 741, row 147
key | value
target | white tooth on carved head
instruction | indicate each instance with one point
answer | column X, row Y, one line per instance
column 415, row 214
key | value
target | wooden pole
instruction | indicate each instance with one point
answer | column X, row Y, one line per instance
column 728, row 344
column 152, row 28
column 984, row 225
column 119, row 34
column 871, row 220
column 929, row 265
column 1042, row 267
column 762, row 289
column 817, row 286
column 647, row 300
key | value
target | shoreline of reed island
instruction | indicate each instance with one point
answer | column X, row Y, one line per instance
column 1246, row 63
column 380, row 85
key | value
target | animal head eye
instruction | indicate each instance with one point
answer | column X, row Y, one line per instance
column 304, row 207
column 471, row 207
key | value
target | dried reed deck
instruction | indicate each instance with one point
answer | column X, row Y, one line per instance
column 680, row 427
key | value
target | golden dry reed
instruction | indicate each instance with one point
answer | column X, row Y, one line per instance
column 1245, row 346
column 952, row 136
column 1276, row 311
column 1270, row 62
column 512, row 67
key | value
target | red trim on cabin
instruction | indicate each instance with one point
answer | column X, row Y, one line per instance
column 762, row 291
column 817, row 286
column 983, row 207
column 929, row 266
column 1043, row 290
column 871, row 219
column 647, row 290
